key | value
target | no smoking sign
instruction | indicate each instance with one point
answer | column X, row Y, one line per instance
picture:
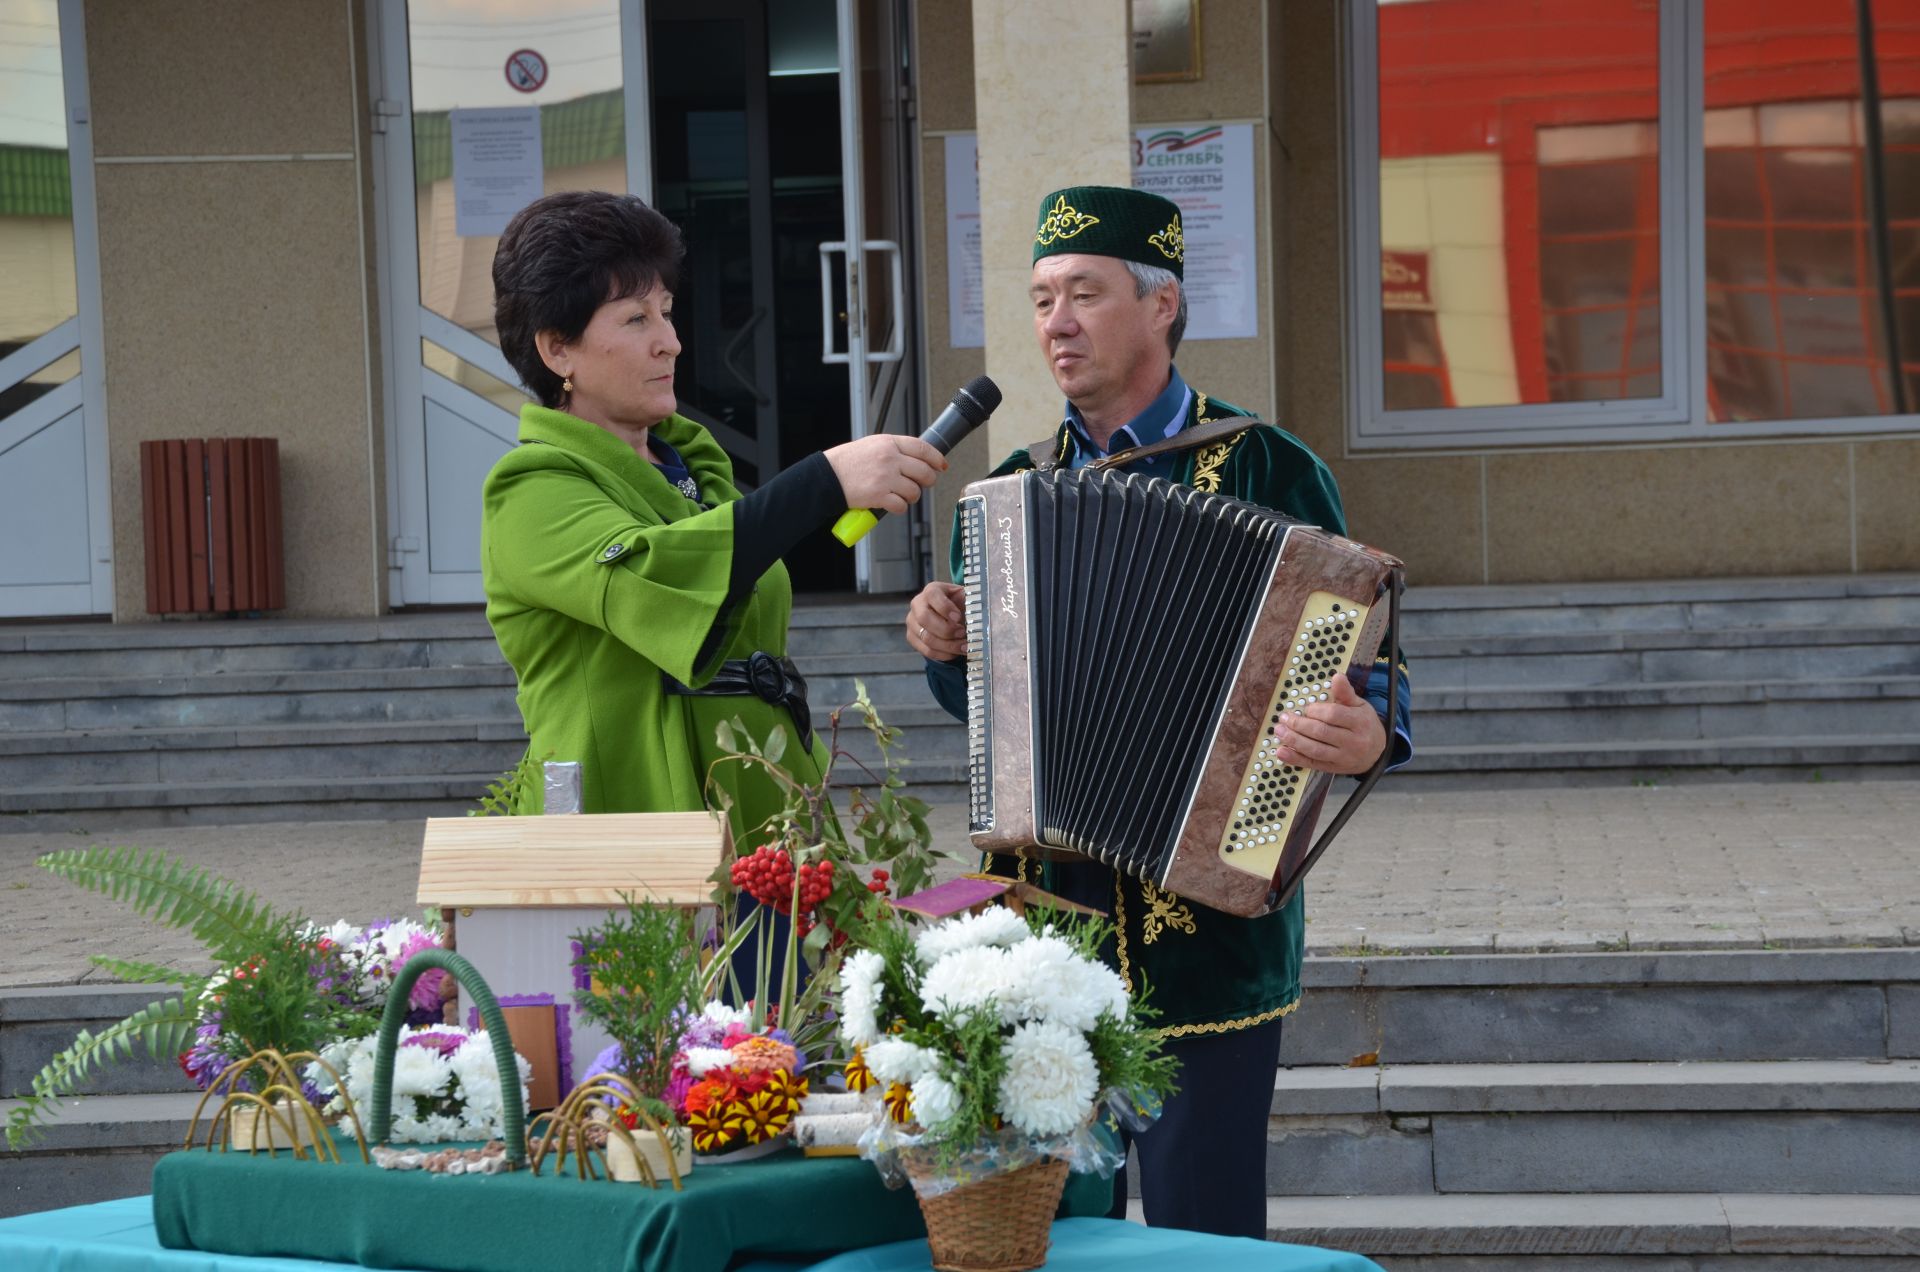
column 526, row 70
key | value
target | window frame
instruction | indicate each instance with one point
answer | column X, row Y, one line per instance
column 1680, row 413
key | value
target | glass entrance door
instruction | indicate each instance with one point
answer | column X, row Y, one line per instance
column 744, row 98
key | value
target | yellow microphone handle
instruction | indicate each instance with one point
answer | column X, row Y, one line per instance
column 854, row 524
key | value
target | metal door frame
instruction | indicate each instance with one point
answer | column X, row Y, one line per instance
column 409, row 384
column 87, row 391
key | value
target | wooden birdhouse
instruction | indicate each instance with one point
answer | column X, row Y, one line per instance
column 514, row 893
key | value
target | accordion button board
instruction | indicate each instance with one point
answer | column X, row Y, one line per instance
column 1131, row 646
column 1271, row 791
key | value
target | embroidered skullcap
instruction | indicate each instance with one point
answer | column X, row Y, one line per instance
column 1111, row 221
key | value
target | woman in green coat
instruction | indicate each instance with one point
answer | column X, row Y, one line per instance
column 638, row 595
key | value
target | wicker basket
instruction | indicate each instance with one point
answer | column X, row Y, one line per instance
column 998, row 1224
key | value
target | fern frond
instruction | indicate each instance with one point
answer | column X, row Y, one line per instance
column 164, row 1028
column 135, row 972
column 230, row 921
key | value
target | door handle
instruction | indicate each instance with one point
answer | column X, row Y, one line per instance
column 827, row 352
column 896, row 340
column 733, row 348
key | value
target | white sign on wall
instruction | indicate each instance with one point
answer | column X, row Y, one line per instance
column 496, row 166
column 966, row 308
column 1208, row 170
column 1205, row 168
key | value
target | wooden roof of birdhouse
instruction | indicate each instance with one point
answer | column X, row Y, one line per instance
column 589, row 859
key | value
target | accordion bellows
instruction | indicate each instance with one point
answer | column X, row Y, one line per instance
column 1131, row 646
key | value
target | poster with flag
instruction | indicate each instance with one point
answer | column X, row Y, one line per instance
column 1208, row 170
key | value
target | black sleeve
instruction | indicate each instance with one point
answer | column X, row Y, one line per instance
column 770, row 521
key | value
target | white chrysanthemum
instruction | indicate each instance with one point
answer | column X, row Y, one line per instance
column 935, row 1100
column 964, row 979
column 1049, row 980
column 702, row 1060
column 417, row 1071
column 481, row 1103
column 860, row 997
column 995, row 925
column 436, row 1128
column 862, row 970
column 1051, row 1079
column 897, row 1060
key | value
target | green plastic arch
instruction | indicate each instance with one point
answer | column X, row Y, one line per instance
column 513, row 1118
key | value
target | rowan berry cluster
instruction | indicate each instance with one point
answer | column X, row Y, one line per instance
column 767, row 875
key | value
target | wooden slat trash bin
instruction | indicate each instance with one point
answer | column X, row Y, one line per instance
column 212, row 517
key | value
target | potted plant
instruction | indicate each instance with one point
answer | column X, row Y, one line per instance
column 998, row 1038
column 643, row 972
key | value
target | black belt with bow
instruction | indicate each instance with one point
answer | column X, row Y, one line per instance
column 760, row 675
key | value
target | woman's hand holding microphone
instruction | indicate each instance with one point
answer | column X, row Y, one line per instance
column 885, row 471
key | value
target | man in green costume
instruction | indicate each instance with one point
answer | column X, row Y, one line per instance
column 1109, row 309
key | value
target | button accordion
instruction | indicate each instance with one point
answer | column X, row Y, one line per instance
column 1132, row 644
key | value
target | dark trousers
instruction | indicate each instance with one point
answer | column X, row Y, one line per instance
column 1203, row 1165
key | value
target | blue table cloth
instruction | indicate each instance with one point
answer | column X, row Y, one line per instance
column 118, row 1236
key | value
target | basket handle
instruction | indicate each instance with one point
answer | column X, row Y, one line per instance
column 513, row 1118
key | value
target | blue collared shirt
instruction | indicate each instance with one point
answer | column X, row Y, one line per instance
column 1162, row 418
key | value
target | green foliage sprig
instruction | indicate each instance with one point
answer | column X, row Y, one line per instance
column 232, row 923
column 646, row 965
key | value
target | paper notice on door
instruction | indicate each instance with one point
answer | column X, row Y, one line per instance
column 1208, row 170
column 496, row 166
column 966, row 306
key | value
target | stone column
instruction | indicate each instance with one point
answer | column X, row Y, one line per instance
column 234, row 250
column 1052, row 95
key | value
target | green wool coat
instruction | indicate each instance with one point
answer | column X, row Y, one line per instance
column 1211, row 972
column 600, row 575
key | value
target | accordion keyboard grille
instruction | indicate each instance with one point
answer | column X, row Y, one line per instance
column 973, row 547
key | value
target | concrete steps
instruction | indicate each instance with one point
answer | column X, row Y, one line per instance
column 1686, row 1110
column 1667, row 682
column 101, row 1147
column 1805, row 1126
column 1651, row 1232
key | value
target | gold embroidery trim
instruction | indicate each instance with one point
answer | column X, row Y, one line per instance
column 1063, row 222
column 1227, row 1026
column 1171, row 242
column 1179, row 1031
column 1200, row 408
column 1166, row 913
column 1208, row 466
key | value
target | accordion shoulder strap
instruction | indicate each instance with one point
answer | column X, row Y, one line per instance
column 1045, row 453
column 1202, row 434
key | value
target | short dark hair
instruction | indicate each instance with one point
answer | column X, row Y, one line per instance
column 565, row 255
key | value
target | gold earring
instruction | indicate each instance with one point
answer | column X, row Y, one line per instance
column 566, row 385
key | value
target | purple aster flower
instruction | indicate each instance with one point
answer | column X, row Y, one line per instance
column 443, row 1043
column 608, row 1061
column 430, row 990
column 677, row 1087
column 203, row 1061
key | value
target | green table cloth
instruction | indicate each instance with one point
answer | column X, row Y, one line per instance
column 118, row 1236
column 785, row 1205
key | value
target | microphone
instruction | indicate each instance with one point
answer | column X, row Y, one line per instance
column 969, row 409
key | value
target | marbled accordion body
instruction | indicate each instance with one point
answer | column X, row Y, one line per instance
column 1131, row 644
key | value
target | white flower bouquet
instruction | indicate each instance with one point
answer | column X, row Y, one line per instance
column 997, row 1039
column 446, row 1084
